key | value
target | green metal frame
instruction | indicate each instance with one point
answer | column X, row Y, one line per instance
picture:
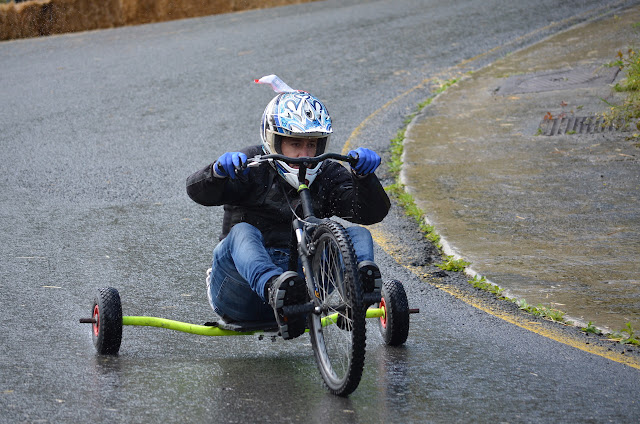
column 205, row 330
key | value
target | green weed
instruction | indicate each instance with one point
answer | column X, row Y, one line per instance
column 452, row 264
column 482, row 284
column 590, row 328
column 542, row 311
column 397, row 147
column 629, row 110
column 444, row 85
column 395, row 166
column 626, row 336
column 406, row 201
column 631, row 339
column 552, row 314
column 397, row 143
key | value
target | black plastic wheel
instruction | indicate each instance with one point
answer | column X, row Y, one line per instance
column 338, row 344
column 107, row 321
column 394, row 326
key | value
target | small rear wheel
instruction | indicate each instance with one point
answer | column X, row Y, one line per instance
column 394, row 325
column 107, row 321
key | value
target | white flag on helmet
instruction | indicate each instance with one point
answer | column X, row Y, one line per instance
column 276, row 83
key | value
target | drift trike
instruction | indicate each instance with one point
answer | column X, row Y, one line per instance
column 336, row 312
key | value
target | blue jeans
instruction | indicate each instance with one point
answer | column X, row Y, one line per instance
column 242, row 265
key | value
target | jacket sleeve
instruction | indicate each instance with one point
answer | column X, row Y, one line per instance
column 361, row 200
column 205, row 188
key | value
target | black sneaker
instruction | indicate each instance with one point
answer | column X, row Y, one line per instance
column 371, row 281
column 286, row 290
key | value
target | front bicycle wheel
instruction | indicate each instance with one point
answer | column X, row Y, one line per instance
column 338, row 332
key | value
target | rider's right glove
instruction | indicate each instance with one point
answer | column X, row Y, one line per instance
column 368, row 160
column 231, row 164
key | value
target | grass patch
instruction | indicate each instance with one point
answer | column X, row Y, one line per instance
column 397, row 190
column 542, row 311
column 452, row 264
column 395, row 164
column 406, row 201
column 481, row 283
column 397, row 143
column 627, row 113
column 591, row 329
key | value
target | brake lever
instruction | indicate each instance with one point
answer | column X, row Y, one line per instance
column 240, row 170
column 254, row 161
column 355, row 158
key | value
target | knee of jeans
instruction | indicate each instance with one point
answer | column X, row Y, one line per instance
column 243, row 231
column 360, row 234
column 362, row 242
column 233, row 298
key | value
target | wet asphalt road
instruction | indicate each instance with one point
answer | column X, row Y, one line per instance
column 99, row 132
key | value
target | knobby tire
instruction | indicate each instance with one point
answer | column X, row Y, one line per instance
column 394, row 326
column 339, row 348
column 107, row 327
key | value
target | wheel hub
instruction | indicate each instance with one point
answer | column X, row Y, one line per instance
column 383, row 318
column 96, row 320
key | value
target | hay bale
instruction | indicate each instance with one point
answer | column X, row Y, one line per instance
column 44, row 17
column 20, row 20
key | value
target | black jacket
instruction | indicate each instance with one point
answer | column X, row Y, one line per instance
column 262, row 200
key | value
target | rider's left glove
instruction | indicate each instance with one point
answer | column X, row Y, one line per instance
column 368, row 160
column 231, row 164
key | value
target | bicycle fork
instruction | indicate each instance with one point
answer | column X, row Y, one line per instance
column 304, row 254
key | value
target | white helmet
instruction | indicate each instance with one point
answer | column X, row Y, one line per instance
column 295, row 114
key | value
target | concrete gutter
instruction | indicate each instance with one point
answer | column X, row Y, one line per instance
column 554, row 219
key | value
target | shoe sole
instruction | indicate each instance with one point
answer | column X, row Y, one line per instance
column 295, row 294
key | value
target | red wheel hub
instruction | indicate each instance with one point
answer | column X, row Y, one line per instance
column 96, row 320
column 383, row 318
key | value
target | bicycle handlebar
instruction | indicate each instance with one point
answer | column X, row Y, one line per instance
column 304, row 160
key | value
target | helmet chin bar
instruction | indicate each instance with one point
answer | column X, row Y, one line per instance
column 293, row 176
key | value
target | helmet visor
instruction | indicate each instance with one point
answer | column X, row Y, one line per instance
column 297, row 146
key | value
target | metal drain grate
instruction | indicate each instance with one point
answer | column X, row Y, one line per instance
column 579, row 125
